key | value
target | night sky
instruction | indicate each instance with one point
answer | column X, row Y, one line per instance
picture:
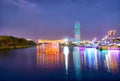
column 55, row 19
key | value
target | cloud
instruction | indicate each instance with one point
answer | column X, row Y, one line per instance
column 23, row 4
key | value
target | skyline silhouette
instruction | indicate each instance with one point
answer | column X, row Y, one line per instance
column 55, row 19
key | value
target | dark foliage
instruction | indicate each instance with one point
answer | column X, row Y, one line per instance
column 14, row 42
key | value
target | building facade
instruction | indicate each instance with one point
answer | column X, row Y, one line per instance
column 77, row 32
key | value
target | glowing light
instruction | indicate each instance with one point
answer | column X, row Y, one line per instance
column 96, row 61
column 103, row 39
column 82, row 48
column 66, row 52
column 118, row 44
column 107, row 62
column 94, row 39
column 91, row 57
column 50, row 41
column 48, row 60
column 106, row 37
column 112, row 60
column 114, row 51
column 113, row 48
column 76, row 61
column 65, row 40
column 77, row 32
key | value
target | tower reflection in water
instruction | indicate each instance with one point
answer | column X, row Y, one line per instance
column 77, row 62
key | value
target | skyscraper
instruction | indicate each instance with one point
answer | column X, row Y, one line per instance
column 77, row 32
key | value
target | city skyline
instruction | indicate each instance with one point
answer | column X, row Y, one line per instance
column 35, row 19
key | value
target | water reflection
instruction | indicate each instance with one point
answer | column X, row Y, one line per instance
column 91, row 60
column 77, row 62
column 49, row 60
column 48, row 48
column 73, row 63
column 66, row 53
column 112, row 60
column 103, row 60
column 84, row 59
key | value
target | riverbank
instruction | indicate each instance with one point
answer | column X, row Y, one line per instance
column 16, row 47
column 10, row 42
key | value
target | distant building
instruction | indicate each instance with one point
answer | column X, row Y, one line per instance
column 112, row 38
column 77, row 32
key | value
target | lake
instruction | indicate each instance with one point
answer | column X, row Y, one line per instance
column 72, row 64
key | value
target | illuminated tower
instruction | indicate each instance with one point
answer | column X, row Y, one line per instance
column 77, row 32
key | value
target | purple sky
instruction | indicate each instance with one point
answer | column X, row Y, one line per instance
column 54, row 19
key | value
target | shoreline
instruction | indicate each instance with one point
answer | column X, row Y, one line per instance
column 15, row 47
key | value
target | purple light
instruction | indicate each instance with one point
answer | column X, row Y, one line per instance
column 114, row 51
column 112, row 48
column 82, row 48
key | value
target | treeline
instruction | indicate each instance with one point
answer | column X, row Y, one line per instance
column 7, row 42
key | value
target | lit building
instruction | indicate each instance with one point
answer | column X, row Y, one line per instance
column 49, row 46
column 111, row 34
column 77, row 32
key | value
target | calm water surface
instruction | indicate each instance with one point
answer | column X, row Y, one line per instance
column 73, row 64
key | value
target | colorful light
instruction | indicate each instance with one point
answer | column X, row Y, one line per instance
column 66, row 52
column 77, row 62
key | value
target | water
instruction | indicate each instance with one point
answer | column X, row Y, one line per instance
column 73, row 64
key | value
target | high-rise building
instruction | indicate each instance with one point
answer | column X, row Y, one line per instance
column 77, row 32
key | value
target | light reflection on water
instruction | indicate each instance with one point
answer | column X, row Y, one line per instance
column 66, row 53
column 77, row 62
column 112, row 60
column 83, row 59
column 65, row 63
column 49, row 60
